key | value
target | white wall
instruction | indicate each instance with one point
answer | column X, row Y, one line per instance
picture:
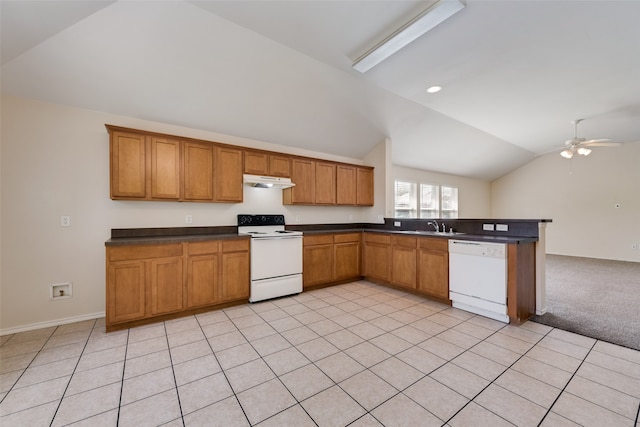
column 474, row 196
column 579, row 195
column 55, row 161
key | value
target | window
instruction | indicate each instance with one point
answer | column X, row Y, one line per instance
column 434, row 201
column 405, row 200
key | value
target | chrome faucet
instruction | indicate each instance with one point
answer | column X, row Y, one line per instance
column 435, row 224
column 444, row 228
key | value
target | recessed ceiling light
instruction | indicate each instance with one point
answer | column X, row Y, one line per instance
column 434, row 89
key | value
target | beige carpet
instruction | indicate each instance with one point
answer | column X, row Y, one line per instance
column 594, row 297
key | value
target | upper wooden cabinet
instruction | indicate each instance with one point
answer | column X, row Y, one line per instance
column 354, row 185
column 303, row 175
column 152, row 166
column 128, row 165
column 269, row 164
column 228, row 175
column 325, row 183
column 149, row 166
column 364, row 186
column 198, row 172
column 328, row 183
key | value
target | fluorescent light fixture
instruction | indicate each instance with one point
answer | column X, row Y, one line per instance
column 426, row 20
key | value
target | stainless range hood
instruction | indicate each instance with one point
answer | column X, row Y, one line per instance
column 260, row 181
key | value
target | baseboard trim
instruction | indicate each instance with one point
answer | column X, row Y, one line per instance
column 50, row 323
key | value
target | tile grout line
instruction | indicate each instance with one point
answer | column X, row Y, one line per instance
column 173, row 371
column 565, row 386
column 28, row 365
column 72, row 373
column 496, row 378
column 124, row 368
column 221, row 368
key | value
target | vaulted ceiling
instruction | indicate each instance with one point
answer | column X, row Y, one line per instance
column 514, row 73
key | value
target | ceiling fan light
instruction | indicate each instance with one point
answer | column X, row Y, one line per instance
column 567, row 154
column 584, row 151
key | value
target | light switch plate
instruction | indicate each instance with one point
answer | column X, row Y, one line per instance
column 487, row 227
column 502, row 227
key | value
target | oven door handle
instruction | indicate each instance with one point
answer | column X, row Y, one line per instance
column 276, row 238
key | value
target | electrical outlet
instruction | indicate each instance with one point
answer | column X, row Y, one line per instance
column 65, row 221
column 487, row 227
column 381, row 218
column 397, row 224
column 188, row 219
column 502, row 227
column 634, row 246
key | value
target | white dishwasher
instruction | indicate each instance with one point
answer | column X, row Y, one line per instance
column 478, row 278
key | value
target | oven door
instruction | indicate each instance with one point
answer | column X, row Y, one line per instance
column 275, row 257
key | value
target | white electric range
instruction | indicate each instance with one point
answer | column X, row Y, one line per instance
column 276, row 256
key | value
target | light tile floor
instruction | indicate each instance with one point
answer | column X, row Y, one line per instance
column 357, row 354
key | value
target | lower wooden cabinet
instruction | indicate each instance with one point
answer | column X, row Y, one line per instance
column 147, row 281
column 330, row 258
column 126, row 291
column 404, row 261
column 377, row 256
column 347, row 256
column 433, row 267
column 235, row 277
column 166, row 285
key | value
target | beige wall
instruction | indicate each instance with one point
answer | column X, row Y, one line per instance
column 579, row 195
column 55, row 161
column 474, row 196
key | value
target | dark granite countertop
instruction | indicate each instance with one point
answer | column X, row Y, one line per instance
column 456, row 236
column 520, row 231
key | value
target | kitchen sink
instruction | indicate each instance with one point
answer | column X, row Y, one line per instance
column 433, row 233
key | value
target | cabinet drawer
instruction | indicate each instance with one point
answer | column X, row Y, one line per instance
column 408, row 242
column 347, row 237
column 434, row 244
column 377, row 238
column 121, row 253
column 201, row 248
column 322, row 239
column 235, row 245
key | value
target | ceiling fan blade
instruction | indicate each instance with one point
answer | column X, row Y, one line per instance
column 601, row 143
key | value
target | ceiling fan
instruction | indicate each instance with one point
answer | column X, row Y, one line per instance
column 581, row 145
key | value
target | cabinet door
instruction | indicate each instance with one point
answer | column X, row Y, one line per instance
column 255, row 163
column 125, row 291
column 279, row 165
column 433, row 273
column 198, row 171
column 165, row 168
column 404, row 258
column 347, row 260
column 235, row 276
column 317, row 264
column 303, row 175
column 203, row 273
column 128, row 165
column 364, row 186
column 166, row 285
column 346, row 185
column 404, row 267
column 377, row 256
column 228, row 175
column 325, row 183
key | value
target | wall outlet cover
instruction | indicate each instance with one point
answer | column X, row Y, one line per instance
column 397, row 224
column 487, row 227
column 502, row 227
